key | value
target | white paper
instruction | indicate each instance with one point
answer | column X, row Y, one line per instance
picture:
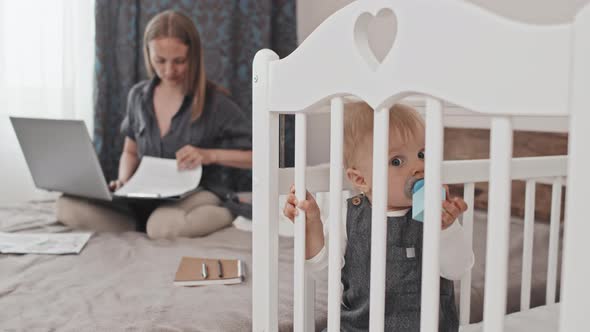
column 15, row 218
column 160, row 178
column 9, row 240
column 23, row 243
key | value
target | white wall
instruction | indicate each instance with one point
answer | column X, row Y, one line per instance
column 312, row 12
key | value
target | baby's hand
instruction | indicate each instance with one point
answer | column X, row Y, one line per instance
column 452, row 208
column 309, row 205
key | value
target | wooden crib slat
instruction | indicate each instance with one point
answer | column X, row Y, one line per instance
column 301, row 284
column 265, row 191
column 527, row 245
column 379, row 219
column 498, row 224
column 553, row 239
column 575, row 288
column 309, row 300
column 336, row 163
column 432, row 212
column 465, row 298
column 453, row 172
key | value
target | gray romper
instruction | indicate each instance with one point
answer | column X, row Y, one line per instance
column 403, row 274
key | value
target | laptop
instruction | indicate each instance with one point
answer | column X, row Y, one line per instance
column 61, row 157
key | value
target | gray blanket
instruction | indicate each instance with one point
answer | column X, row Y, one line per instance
column 123, row 282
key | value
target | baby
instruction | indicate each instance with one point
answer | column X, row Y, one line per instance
column 404, row 235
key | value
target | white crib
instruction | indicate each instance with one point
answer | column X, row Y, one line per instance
column 447, row 51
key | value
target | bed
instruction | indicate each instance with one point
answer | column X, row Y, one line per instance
column 124, row 282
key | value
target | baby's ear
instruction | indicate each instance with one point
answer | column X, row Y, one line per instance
column 357, row 179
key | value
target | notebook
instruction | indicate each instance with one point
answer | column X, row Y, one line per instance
column 194, row 271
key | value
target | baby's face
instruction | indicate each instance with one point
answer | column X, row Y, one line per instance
column 405, row 166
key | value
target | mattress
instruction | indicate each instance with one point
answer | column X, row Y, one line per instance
column 539, row 266
column 540, row 319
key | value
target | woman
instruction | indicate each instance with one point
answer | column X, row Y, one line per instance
column 176, row 114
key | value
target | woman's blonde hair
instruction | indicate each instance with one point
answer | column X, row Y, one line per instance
column 172, row 24
column 358, row 127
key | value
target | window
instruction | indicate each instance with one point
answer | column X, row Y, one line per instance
column 46, row 70
column 46, row 58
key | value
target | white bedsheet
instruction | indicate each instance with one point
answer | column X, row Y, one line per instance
column 540, row 319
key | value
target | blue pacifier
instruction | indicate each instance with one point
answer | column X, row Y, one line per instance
column 418, row 200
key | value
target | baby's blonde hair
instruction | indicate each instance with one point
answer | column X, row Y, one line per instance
column 358, row 127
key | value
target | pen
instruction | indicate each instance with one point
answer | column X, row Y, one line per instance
column 220, row 268
column 204, row 270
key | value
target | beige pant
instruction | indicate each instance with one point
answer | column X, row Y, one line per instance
column 196, row 215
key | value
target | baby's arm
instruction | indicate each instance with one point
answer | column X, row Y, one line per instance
column 456, row 257
column 314, row 233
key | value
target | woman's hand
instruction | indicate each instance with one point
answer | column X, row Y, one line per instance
column 116, row 184
column 189, row 157
column 452, row 208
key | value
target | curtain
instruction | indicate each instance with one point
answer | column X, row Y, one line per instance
column 46, row 70
column 231, row 32
column 46, row 58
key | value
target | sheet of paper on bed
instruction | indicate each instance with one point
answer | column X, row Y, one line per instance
column 160, row 178
column 15, row 218
column 38, row 243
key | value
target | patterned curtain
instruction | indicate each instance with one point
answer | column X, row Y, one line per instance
column 231, row 31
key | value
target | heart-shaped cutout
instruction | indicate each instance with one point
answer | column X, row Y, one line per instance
column 374, row 36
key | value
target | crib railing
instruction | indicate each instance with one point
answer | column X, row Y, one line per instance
column 498, row 171
column 546, row 170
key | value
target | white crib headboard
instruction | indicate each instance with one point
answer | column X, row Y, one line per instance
column 448, row 50
column 451, row 49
